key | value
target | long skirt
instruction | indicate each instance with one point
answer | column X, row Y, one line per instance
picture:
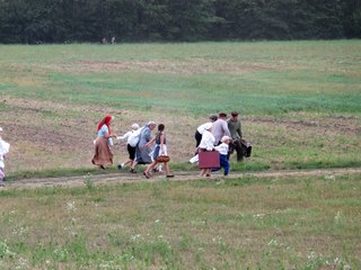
column 143, row 155
column 103, row 155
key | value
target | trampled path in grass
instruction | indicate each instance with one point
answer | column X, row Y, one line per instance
column 126, row 178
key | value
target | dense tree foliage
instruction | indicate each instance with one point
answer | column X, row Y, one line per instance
column 39, row 21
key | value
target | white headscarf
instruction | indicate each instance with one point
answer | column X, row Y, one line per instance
column 135, row 126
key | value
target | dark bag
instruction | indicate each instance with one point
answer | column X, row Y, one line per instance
column 162, row 159
column 246, row 148
column 209, row 159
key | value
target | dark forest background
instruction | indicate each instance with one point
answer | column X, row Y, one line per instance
column 58, row 21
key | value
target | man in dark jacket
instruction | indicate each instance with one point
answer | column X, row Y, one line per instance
column 234, row 126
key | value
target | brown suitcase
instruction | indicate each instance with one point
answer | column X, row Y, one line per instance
column 209, row 159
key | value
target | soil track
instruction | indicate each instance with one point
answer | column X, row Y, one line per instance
column 122, row 177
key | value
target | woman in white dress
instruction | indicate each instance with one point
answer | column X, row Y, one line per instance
column 207, row 144
column 4, row 149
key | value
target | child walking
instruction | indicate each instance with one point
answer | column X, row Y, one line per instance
column 132, row 138
column 223, row 154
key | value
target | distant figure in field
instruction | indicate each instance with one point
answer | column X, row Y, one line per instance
column 104, row 40
column 159, row 150
column 113, row 40
column 132, row 138
column 220, row 128
column 201, row 128
column 103, row 155
column 4, row 150
column 143, row 150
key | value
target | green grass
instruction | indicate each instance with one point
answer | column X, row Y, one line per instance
column 300, row 105
column 277, row 77
column 300, row 101
column 246, row 223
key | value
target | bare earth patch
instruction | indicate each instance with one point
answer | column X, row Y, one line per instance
column 123, row 178
column 49, row 135
column 193, row 66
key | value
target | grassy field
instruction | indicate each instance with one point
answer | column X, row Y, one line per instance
column 247, row 223
column 300, row 105
column 300, row 102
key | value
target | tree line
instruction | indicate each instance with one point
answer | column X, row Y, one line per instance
column 58, row 21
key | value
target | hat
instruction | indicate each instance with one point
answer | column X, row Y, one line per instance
column 213, row 117
column 234, row 114
column 208, row 126
column 135, row 126
column 225, row 138
column 151, row 123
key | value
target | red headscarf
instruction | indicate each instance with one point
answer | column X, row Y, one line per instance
column 106, row 120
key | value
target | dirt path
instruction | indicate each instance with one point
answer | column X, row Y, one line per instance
column 123, row 177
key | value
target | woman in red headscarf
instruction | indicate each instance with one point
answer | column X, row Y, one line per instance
column 103, row 155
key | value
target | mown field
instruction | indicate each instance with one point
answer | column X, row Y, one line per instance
column 300, row 105
column 246, row 223
column 300, row 102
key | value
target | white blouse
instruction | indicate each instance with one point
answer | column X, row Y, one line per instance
column 222, row 149
column 202, row 127
column 207, row 141
column 126, row 136
column 4, row 149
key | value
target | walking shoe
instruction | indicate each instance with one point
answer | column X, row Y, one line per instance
column 119, row 166
column 132, row 171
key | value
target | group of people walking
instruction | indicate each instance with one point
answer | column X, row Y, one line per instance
column 223, row 135
column 219, row 134
column 142, row 147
